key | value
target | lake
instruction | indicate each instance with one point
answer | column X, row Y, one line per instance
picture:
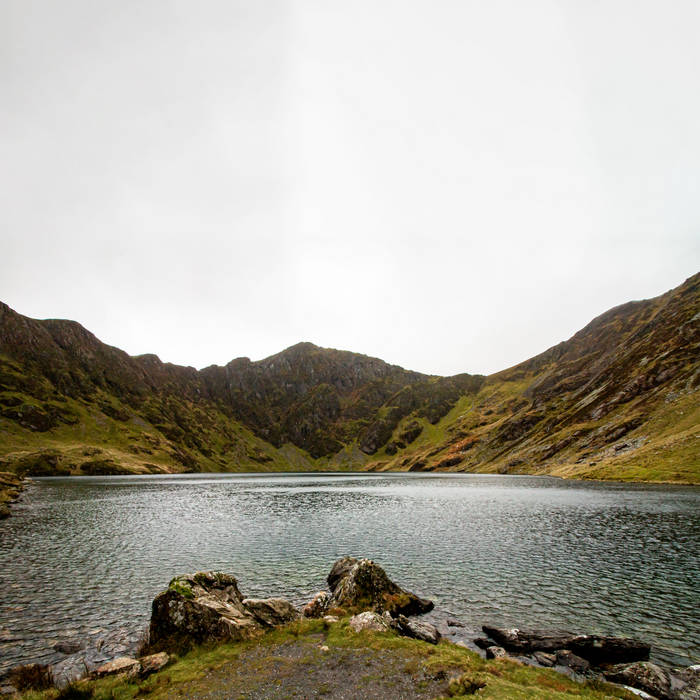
column 86, row 553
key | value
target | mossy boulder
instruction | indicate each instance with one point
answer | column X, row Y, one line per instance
column 208, row 607
column 360, row 584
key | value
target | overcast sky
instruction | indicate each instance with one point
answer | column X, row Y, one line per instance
column 450, row 186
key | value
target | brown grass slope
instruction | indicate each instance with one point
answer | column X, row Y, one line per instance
column 618, row 400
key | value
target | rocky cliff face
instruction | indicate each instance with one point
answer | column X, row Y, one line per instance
column 619, row 399
column 58, row 379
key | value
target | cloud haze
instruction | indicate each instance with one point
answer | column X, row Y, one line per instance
column 450, row 186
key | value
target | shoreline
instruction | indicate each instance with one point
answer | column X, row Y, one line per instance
column 11, row 487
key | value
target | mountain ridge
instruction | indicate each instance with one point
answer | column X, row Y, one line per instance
column 64, row 393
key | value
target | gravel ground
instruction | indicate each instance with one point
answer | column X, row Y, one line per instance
column 301, row 669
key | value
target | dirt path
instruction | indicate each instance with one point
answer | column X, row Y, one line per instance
column 302, row 669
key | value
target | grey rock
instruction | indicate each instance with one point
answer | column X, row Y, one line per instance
column 123, row 664
column 203, row 607
column 545, row 659
column 495, row 652
column 594, row 648
column 418, row 630
column 369, row 620
column 271, row 612
column 565, row 657
column 644, row 675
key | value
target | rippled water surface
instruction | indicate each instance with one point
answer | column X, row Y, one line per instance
column 91, row 552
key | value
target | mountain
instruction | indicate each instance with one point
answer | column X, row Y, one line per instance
column 617, row 400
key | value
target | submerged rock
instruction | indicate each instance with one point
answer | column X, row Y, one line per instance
column 360, row 584
column 207, row 606
column 595, row 649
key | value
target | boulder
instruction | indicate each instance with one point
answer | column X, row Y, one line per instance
column 154, row 662
column 596, row 649
column 565, row 657
column 643, row 675
column 360, row 584
column 124, row 664
column 483, row 643
column 418, row 630
column 495, row 652
column 545, row 659
column 318, row 605
column 369, row 621
column 203, row 607
column 271, row 612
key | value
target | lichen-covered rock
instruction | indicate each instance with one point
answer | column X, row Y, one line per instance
column 495, row 652
column 206, row 606
column 645, row 676
column 360, row 584
column 152, row 663
column 123, row 664
column 318, row 605
column 418, row 630
column 368, row 620
column 271, row 612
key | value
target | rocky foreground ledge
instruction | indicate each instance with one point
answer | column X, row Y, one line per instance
column 207, row 608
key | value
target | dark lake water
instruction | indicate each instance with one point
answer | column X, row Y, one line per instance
column 86, row 553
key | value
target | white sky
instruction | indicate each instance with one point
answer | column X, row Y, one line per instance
column 450, row 186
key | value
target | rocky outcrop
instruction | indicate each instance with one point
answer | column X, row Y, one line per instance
column 595, row 649
column 208, row 607
column 665, row 684
column 360, row 584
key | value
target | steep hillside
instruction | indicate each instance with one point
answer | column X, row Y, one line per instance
column 618, row 400
column 69, row 403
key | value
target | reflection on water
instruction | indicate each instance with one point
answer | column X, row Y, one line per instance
column 91, row 552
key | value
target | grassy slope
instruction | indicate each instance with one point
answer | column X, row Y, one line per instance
column 87, row 440
column 617, row 401
column 289, row 663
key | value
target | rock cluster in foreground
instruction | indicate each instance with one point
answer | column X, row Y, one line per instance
column 617, row 659
column 208, row 606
